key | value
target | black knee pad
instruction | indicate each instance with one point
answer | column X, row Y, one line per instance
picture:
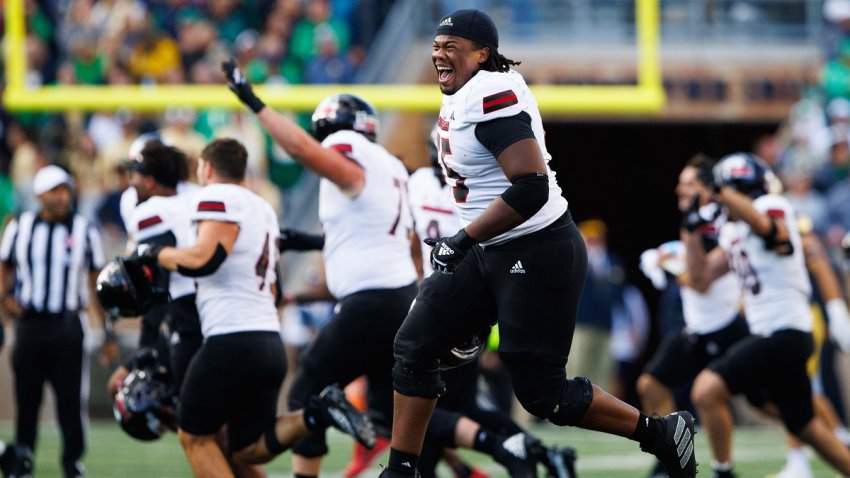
column 575, row 400
column 417, row 383
column 314, row 445
column 538, row 381
column 441, row 428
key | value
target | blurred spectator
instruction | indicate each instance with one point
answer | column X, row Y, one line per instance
column 835, row 75
column 271, row 63
column 178, row 131
column 114, row 154
column 228, row 18
column 82, row 159
column 329, row 65
column 155, row 57
column 629, row 337
column 838, row 199
column 195, row 35
column 89, row 66
column 603, row 293
column 837, row 167
column 806, row 200
column 317, row 25
column 26, row 160
column 837, row 16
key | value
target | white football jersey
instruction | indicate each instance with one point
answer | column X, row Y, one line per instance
column 473, row 173
column 370, row 229
column 433, row 213
column 237, row 297
column 161, row 215
column 130, row 199
column 776, row 288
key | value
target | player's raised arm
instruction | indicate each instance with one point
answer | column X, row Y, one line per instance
column 328, row 163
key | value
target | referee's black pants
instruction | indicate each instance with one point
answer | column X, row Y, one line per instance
column 51, row 348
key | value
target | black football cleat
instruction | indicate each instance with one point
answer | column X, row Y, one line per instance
column 674, row 445
column 387, row 473
column 560, row 462
column 517, row 454
column 341, row 414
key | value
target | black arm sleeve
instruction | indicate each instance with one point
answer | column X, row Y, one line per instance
column 211, row 266
column 292, row 240
column 496, row 135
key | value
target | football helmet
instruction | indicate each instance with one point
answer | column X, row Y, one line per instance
column 127, row 288
column 145, row 406
column 744, row 172
column 341, row 112
column 466, row 351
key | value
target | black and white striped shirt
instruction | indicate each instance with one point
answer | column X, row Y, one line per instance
column 52, row 261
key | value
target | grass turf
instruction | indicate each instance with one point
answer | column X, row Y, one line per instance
column 111, row 453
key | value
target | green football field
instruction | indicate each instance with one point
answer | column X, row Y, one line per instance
column 111, row 453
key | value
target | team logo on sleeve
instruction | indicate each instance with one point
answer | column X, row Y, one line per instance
column 499, row 101
column 211, row 206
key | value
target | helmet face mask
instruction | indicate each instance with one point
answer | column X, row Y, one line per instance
column 744, row 172
column 465, row 352
column 127, row 289
column 344, row 112
column 144, row 406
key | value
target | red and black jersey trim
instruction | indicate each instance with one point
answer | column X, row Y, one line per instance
column 779, row 213
column 345, row 149
column 211, row 206
column 499, row 101
column 442, row 124
column 151, row 221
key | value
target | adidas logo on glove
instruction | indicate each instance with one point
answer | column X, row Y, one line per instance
column 445, row 250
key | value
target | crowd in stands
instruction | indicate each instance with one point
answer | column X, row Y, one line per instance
column 115, row 42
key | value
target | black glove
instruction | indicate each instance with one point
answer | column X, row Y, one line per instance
column 448, row 252
column 292, row 240
column 240, row 86
column 845, row 244
column 695, row 217
column 145, row 254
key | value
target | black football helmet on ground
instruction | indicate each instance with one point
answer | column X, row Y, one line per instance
column 145, row 406
column 743, row 172
column 128, row 288
column 341, row 112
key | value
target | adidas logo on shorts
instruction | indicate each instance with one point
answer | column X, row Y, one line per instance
column 517, row 268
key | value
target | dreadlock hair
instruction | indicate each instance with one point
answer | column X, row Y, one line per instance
column 496, row 61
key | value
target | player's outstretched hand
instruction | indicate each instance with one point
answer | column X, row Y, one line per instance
column 448, row 252
column 839, row 323
column 239, row 85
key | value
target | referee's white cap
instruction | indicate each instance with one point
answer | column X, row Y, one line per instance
column 48, row 178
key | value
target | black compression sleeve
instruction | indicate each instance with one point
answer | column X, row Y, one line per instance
column 211, row 266
column 528, row 193
column 496, row 135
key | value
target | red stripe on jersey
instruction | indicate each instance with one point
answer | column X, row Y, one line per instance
column 776, row 213
column 442, row 124
column 499, row 101
column 151, row 221
column 342, row 148
column 437, row 209
column 214, row 206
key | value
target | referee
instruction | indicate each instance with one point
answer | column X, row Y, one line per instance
column 48, row 260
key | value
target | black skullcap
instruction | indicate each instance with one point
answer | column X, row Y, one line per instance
column 473, row 25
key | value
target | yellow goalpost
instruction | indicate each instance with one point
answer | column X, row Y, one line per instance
column 646, row 97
